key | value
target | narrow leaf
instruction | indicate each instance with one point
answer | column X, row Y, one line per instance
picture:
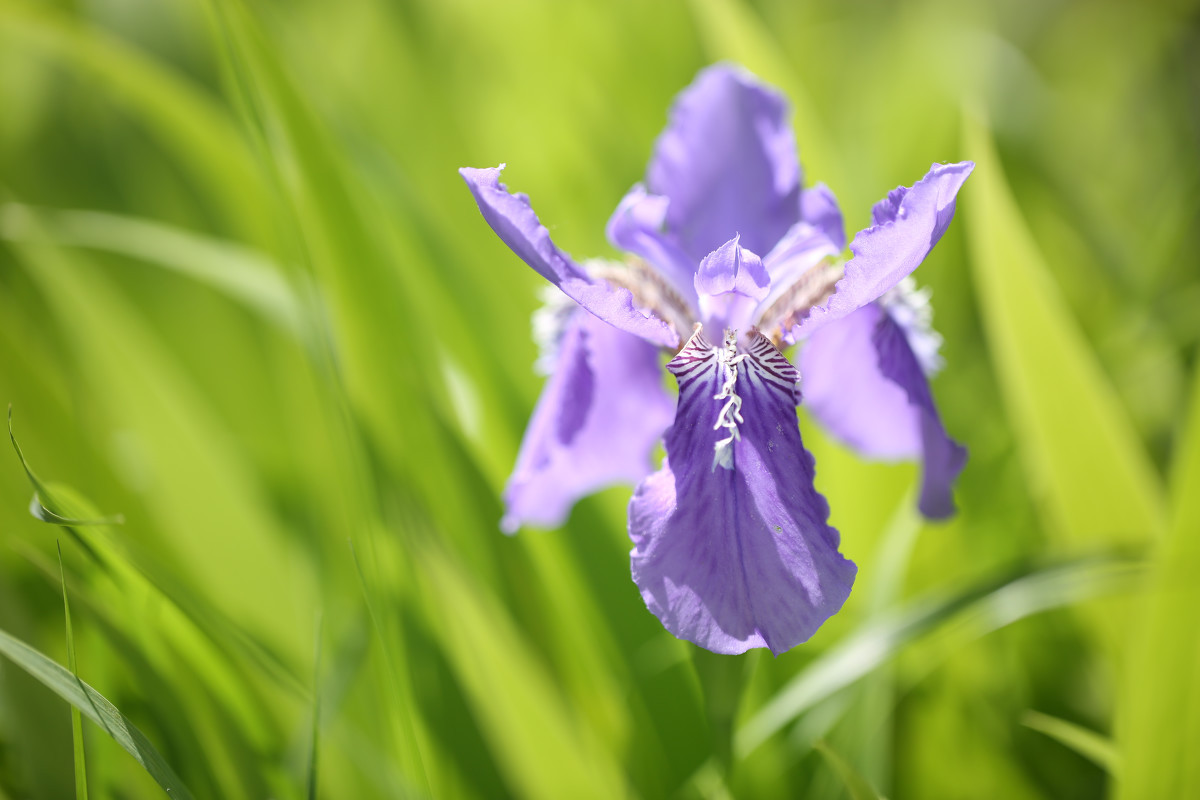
column 95, row 707
column 990, row 605
column 1083, row 456
column 856, row 784
column 1160, row 721
column 47, row 504
column 1088, row 744
column 81, row 791
column 233, row 269
column 535, row 736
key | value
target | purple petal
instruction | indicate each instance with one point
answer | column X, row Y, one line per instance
column 730, row 282
column 595, row 425
column 862, row 381
column 637, row 226
column 511, row 217
column 819, row 208
column 909, row 222
column 736, row 558
column 727, row 162
column 791, row 266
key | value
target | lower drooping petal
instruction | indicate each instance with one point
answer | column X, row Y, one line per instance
column 600, row 414
column 908, row 223
column 513, row 220
column 863, row 382
column 739, row 557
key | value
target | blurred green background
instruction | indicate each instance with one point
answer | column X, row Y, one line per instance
column 247, row 303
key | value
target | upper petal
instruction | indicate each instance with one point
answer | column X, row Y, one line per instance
column 819, row 208
column 638, row 226
column 513, row 220
column 909, row 222
column 863, row 382
column 600, row 414
column 727, row 163
column 736, row 558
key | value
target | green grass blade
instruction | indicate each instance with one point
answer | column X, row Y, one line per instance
column 401, row 701
column 81, row 791
column 535, row 736
column 989, row 606
column 239, row 272
column 186, row 121
column 1160, row 724
column 227, row 537
column 856, row 785
column 1087, row 743
column 1081, row 452
column 46, row 504
column 95, row 707
column 311, row 777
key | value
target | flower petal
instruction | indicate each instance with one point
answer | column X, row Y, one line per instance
column 595, row 425
column 637, row 226
column 513, row 220
column 863, row 382
column 730, row 282
column 819, row 208
column 727, row 162
column 736, row 558
column 908, row 223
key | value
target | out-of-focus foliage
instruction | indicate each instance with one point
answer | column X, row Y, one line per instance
column 247, row 304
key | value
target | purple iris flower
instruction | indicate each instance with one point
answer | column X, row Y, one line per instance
column 731, row 261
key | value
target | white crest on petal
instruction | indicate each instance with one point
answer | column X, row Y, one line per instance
column 909, row 307
column 731, row 412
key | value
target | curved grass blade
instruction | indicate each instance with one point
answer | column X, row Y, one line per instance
column 47, row 504
column 1086, row 461
column 95, row 707
column 990, row 605
column 856, row 785
column 1088, row 744
column 81, row 791
column 232, row 269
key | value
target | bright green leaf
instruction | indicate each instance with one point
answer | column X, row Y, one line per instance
column 95, row 707
column 1083, row 457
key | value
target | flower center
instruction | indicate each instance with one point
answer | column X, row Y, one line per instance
column 731, row 412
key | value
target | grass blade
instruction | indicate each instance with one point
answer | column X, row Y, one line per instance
column 1086, row 461
column 1160, row 724
column 1088, row 744
column 95, row 707
column 233, row 269
column 81, row 791
column 990, row 606
column 311, row 778
column 534, row 734
column 44, row 505
column 856, row 785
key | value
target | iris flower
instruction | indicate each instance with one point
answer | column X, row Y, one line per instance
column 731, row 262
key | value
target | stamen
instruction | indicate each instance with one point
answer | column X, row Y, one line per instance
column 812, row 289
column 650, row 291
column 550, row 322
column 731, row 412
